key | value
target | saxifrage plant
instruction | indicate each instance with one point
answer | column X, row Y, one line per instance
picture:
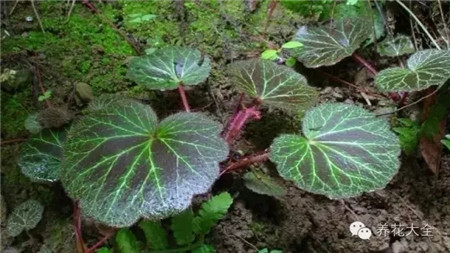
column 122, row 163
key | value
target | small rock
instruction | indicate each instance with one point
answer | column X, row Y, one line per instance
column 84, row 92
column 54, row 117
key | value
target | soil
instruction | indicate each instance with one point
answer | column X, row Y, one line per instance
column 297, row 222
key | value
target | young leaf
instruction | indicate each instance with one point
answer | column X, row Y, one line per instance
column 274, row 84
column 126, row 241
column 182, row 227
column 397, row 46
column 45, row 96
column 262, row 184
column 204, row 248
column 425, row 68
column 154, row 234
column 330, row 43
column 292, row 44
column 345, row 151
column 167, row 68
column 290, row 62
column 24, row 217
column 211, row 212
column 270, row 54
column 122, row 164
column 40, row 157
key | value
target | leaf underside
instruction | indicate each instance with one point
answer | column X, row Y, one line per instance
column 275, row 85
column 397, row 46
column 167, row 68
column 330, row 43
column 424, row 69
column 345, row 151
column 122, row 164
column 40, row 157
column 24, row 217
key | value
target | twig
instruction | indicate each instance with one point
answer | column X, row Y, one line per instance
column 14, row 7
column 12, row 141
column 70, row 10
column 416, row 47
column 37, row 16
column 420, row 23
column 364, row 63
column 99, row 243
column 183, row 98
column 444, row 23
column 413, row 103
column 247, row 160
column 38, row 76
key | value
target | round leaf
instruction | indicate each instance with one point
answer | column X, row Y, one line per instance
column 167, row 68
column 122, row 164
column 274, row 84
column 425, row 68
column 40, row 157
column 330, row 43
column 344, row 152
column 397, row 46
column 24, row 217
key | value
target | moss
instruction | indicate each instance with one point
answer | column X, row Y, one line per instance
column 14, row 113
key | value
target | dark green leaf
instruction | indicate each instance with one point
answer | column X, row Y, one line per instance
column 166, row 68
column 425, row 68
column 40, row 157
column 446, row 141
column 204, row 248
column 328, row 44
column 397, row 46
column 211, row 212
column 24, row 217
column 126, row 241
column 154, row 234
column 182, row 227
column 344, row 152
column 274, row 84
column 263, row 184
column 122, row 164
column 408, row 133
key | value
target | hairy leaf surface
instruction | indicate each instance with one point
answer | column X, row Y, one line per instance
column 330, row 43
column 275, row 85
column 40, row 157
column 424, row 69
column 166, row 68
column 397, row 46
column 344, row 152
column 24, row 217
column 122, row 164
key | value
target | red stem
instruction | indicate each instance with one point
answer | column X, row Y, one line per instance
column 247, row 160
column 364, row 63
column 38, row 76
column 77, row 226
column 183, row 98
column 12, row 141
column 239, row 120
column 272, row 6
column 99, row 243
